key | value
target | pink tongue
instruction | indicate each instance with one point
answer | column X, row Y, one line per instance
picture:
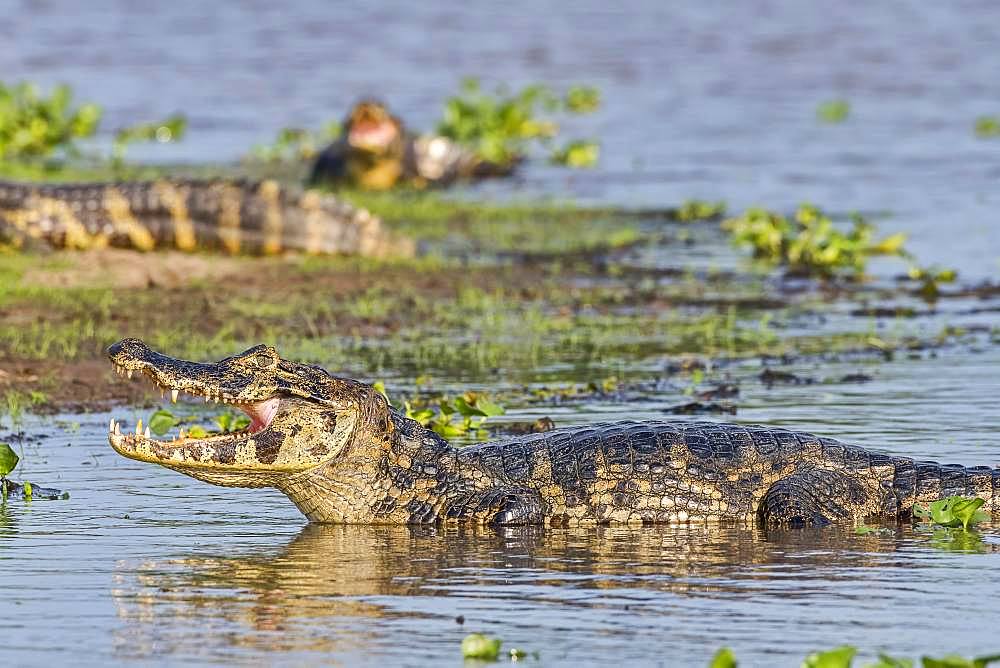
column 260, row 414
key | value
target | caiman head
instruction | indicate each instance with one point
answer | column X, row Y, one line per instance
column 370, row 128
column 301, row 417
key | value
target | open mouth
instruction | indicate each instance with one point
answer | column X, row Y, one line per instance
column 181, row 447
column 372, row 134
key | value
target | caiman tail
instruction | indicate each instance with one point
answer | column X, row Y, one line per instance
column 234, row 216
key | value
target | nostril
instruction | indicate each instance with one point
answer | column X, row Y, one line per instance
column 115, row 348
column 129, row 347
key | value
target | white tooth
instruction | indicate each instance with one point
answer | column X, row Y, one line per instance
column 117, row 430
column 146, row 434
column 138, row 427
column 182, row 432
column 111, row 425
column 129, row 373
column 206, row 398
column 173, row 395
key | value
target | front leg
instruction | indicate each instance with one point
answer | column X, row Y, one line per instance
column 502, row 506
column 814, row 498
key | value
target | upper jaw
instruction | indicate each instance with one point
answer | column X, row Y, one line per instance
column 130, row 356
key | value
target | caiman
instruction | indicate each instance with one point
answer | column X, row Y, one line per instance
column 337, row 449
column 235, row 216
column 375, row 152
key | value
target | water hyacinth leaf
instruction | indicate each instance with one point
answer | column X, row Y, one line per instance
column 987, row 126
column 479, row 646
column 724, row 658
column 956, row 661
column 197, row 431
column 232, row 421
column 583, row 99
column 839, row 657
column 466, row 408
column 966, row 510
column 833, row 111
column 448, row 430
column 162, row 421
column 26, row 488
column 577, row 154
column 891, row 245
column 8, row 459
column 489, row 408
column 886, row 661
column 953, row 511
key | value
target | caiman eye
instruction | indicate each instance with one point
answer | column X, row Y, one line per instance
column 263, row 361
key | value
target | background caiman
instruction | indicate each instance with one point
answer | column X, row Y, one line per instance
column 376, row 152
column 342, row 454
column 235, row 216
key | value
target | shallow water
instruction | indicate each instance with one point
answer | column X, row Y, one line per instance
column 146, row 565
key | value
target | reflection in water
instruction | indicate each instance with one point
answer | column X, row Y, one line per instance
column 326, row 591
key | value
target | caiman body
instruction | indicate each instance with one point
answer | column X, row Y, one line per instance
column 234, row 216
column 342, row 454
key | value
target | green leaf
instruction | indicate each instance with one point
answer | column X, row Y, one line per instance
column 966, row 510
column 578, row 154
column 8, row 459
column 489, row 408
column 479, row 646
column 27, row 490
column 833, row 111
column 886, row 661
column 953, row 511
column 583, row 99
column 724, row 658
column 448, row 430
column 467, row 409
column 956, row 661
column 987, row 126
column 224, row 421
column 839, row 657
column 891, row 245
column 197, row 431
column 162, row 421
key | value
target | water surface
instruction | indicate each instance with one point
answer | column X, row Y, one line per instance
column 145, row 565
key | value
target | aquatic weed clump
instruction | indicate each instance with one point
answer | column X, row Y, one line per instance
column 809, row 243
column 501, row 127
column 36, row 128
